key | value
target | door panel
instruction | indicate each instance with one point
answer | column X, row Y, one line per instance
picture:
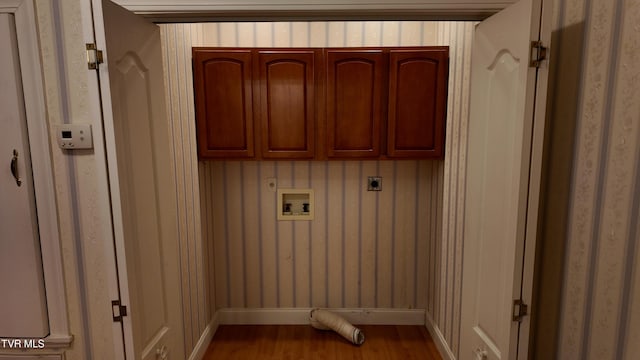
column 223, row 94
column 417, row 102
column 144, row 196
column 354, row 102
column 498, row 162
column 287, row 103
column 23, row 312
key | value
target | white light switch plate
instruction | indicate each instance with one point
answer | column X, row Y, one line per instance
column 74, row 136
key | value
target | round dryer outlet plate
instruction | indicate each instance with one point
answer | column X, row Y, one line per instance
column 374, row 183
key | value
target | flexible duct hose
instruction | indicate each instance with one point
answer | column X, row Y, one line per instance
column 326, row 320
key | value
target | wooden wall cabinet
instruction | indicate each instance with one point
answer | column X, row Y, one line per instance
column 388, row 102
column 287, row 98
column 368, row 103
column 417, row 102
column 354, row 102
column 223, row 81
column 255, row 103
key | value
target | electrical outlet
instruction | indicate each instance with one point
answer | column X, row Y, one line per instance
column 374, row 183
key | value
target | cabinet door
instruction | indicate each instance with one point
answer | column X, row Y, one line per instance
column 223, row 94
column 354, row 102
column 286, row 109
column 417, row 102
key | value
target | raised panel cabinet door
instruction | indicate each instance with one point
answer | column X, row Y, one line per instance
column 286, row 112
column 417, row 102
column 354, row 102
column 223, row 95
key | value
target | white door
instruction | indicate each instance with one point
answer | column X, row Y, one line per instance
column 499, row 155
column 23, row 311
column 141, row 182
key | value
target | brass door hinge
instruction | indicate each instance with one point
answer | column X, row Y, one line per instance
column 118, row 310
column 519, row 310
column 94, row 56
column 538, row 54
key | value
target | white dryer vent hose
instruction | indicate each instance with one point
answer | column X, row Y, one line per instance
column 326, row 320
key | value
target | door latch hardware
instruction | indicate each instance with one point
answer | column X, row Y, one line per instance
column 14, row 168
column 118, row 310
column 519, row 310
column 481, row 354
column 162, row 353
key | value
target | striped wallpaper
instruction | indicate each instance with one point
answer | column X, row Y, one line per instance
column 591, row 231
column 399, row 248
column 446, row 315
column 363, row 249
column 195, row 253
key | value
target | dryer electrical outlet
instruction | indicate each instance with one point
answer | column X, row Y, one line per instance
column 374, row 183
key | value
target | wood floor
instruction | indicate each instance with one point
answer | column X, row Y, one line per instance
column 304, row 342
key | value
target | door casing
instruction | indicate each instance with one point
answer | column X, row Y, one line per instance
column 42, row 169
column 353, row 13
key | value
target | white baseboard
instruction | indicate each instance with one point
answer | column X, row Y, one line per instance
column 300, row 316
column 203, row 343
column 439, row 339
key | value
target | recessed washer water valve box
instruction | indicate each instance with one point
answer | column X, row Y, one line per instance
column 295, row 204
column 74, row 136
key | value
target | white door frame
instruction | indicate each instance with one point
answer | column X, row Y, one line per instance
column 535, row 178
column 91, row 15
column 40, row 147
column 166, row 11
column 252, row 10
